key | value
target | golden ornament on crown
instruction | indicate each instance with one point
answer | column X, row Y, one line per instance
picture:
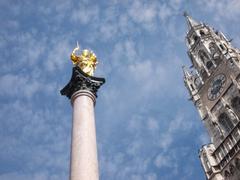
column 86, row 60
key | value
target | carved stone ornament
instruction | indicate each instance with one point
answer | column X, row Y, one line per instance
column 82, row 81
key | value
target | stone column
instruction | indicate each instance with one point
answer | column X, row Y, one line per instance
column 82, row 90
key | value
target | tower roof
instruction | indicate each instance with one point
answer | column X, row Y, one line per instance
column 190, row 21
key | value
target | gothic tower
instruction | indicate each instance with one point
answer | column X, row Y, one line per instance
column 213, row 82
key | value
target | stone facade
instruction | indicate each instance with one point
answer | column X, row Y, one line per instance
column 213, row 82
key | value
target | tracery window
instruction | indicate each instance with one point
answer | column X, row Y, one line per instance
column 203, row 74
column 236, row 103
column 205, row 59
column 232, row 115
column 214, row 52
column 213, row 48
column 203, row 55
column 225, row 122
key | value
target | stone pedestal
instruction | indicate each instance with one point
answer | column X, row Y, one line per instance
column 82, row 90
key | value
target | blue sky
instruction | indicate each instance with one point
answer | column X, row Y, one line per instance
column 146, row 127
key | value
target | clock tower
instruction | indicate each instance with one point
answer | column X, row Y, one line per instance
column 213, row 82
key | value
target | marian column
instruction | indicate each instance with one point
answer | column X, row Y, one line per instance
column 82, row 89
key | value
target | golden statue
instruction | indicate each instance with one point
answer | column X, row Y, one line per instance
column 87, row 60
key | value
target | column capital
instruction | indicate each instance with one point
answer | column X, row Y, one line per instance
column 82, row 81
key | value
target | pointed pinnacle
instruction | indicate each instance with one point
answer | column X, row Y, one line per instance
column 190, row 21
column 185, row 14
column 185, row 72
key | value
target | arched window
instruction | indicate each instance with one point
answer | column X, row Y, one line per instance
column 232, row 115
column 225, row 122
column 203, row 74
column 236, row 103
column 237, row 163
column 206, row 163
column 205, row 59
column 202, row 32
column 215, row 53
column 192, row 87
column 222, row 47
column 213, row 48
column 195, row 37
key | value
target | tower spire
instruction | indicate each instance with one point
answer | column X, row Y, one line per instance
column 214, row 89
column 190, row 21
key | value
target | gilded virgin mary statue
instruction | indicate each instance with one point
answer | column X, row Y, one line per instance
column 86, row 60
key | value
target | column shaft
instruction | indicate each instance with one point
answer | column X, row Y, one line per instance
column 84, row 162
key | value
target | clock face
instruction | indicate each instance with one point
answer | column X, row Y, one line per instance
column 216, row 87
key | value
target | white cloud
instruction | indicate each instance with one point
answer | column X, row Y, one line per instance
column 16, row 176
column 142, row 12
column 41, row 175
column 13, row 85
column 40, row 142
column 26, row 50
column 108, row 30
column 133, row 132
column 179, row 124
column 58, row 55
column 151, row 176
column 163, row 160
column 85, row 13
column 24, row 86
column 152, row 124
column 222, row 9
column 176, row 4
column 164, row 12
column 204, row 138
